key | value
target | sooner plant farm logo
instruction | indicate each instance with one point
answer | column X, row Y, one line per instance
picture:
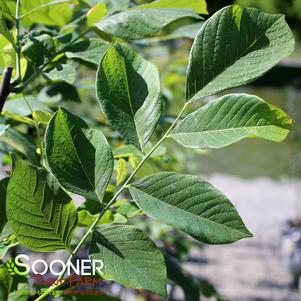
column 22, row 265
column 12, row 269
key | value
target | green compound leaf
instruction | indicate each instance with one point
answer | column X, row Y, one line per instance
column 230, row 119
column 41, row 215
column 190, row 204
column 130, row 258
column 79, row 157
column 135, row 24
column 128, row 89
column 3, row 188
column 235, row 47
column 89, row 50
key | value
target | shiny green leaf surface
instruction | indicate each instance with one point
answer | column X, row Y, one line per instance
column 234, row 47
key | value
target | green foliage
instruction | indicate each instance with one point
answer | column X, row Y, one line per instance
column 40, row 213
column 191, row 205
column 6, row 283
column 253, row 41
column 4, row 30
column 88, row 50
column 139, row 23
column 51, row 13
column 290, row 8
column 230, row 119
column 131, row 258
column 60, row 153
column 199, row 6
column 7, row 240
column 38, row 50
column 64, row 72
column 78, row 156
column 128, row 89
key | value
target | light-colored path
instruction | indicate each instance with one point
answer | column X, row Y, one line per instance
column 251, row 270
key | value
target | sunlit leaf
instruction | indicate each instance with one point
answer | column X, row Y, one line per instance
column 230, row 119
column 234, row 47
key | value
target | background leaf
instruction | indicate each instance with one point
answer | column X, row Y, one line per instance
column 234, row 47
column 4, row 30
column 39, row 50
column 6, row 283
column 191, row 205
column 199, row 6
column 5, row 10
column 89, row 50
column 122, row 171
column 128, row 89
column 41, row 215
column 230, row 119
column 96, row 13
column 135, row 24
column 130, row 258
column 46, row 13
column 86, row 219
column 117, row 5
column 63, row 72
column 79, row 157
column 22, row 143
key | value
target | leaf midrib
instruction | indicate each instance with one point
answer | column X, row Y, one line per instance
column 230, row 129
column 129, row 98
column 77, row 155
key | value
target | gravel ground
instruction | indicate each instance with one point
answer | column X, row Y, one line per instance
column 251, row 270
